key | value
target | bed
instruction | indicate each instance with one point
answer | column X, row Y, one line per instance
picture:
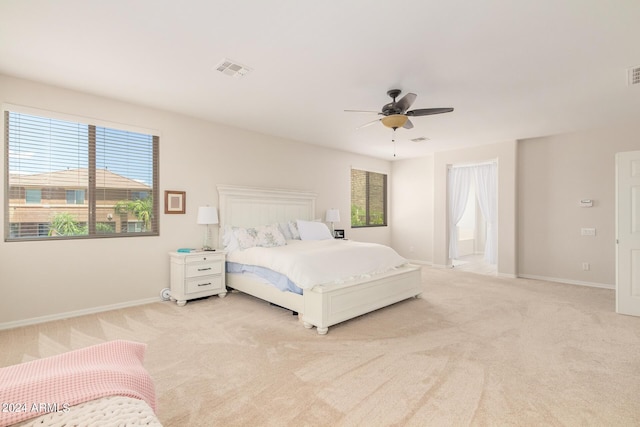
column 104, row 384
column 324, row 304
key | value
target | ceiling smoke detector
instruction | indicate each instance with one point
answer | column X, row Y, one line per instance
column 634, row 75
column 232, row 68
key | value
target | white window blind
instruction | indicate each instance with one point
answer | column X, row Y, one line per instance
column 68, row 179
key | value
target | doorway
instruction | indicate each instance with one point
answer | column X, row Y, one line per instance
column 473, row 217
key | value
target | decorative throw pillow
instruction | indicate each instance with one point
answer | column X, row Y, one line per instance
column 270, row 236
column 293, row 227
column 267, row 236
column 284, row 229
column 229, row 241
column 246, row 237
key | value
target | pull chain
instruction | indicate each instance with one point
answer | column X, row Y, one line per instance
column 393, row 141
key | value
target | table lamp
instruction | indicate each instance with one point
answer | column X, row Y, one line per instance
column 207, row 215
column 333, row 215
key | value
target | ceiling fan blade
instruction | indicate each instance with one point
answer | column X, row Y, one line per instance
column 362, row 111
column 368, row 124
column 408, row 125
column 428, row 111
column 405, row 102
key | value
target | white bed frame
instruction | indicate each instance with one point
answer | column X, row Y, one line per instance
column 323, row 305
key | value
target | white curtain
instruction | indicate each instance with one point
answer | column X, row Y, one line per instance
column 486, row 193
column 459, row 183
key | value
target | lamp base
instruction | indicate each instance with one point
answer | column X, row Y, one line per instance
column 206, row 241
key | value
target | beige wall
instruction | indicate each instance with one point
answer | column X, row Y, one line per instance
column 555, row 173
column 412, row 208
column 47, row 279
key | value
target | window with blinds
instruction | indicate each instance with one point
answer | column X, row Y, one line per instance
column 368, row 199
column 69, row 180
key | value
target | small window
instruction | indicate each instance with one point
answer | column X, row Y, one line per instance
column 368, row 199
column 75, row 197
column 86, row 180
column 33, row 197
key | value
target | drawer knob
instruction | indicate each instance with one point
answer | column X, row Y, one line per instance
column 204, row 284
column 204, row 269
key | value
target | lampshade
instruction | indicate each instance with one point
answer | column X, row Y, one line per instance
column 207, row 215
column 394, row 121
column 333, row 215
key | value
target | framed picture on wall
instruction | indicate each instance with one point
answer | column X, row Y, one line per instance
column 174, row 202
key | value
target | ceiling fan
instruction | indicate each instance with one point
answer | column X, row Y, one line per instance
column 395, row 113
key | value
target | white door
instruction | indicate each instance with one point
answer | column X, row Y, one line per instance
column 628, row 233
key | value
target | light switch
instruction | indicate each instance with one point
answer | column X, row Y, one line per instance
column 588, row 231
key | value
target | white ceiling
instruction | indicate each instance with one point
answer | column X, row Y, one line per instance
column 512, row 69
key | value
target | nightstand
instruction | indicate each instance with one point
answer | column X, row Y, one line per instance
column 197, row 275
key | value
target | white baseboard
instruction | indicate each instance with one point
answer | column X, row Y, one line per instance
column 420, row 262
column 570, row 282
column 68, row 314
column 441, row 266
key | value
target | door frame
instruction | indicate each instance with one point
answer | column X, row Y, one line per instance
column 627, row 233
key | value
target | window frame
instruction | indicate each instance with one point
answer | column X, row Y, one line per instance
column 91, row 191
column 368, row 199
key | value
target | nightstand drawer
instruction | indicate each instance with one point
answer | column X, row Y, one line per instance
column 204, row 257
column 201, row 284
column 204, row 268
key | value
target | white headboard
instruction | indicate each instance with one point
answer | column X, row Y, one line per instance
column 252, row 206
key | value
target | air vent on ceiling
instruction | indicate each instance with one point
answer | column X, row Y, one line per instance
column 634, row 75
column 420, row 139
column 232, row 68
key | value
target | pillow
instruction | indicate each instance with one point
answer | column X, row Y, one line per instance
column 229, row 241
column 311, row 230
column 293, row 228
column 270, row 236
column 267, row 236
column 246, row 237
column 284, row 229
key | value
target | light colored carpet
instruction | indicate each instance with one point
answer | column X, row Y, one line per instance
column 475, row 350
column 475, row 264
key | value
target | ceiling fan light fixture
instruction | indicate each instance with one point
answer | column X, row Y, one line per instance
column 394, row 121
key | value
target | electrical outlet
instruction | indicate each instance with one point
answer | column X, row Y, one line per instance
column 586, row 266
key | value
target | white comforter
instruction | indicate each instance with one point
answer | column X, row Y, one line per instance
column 308, row 263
